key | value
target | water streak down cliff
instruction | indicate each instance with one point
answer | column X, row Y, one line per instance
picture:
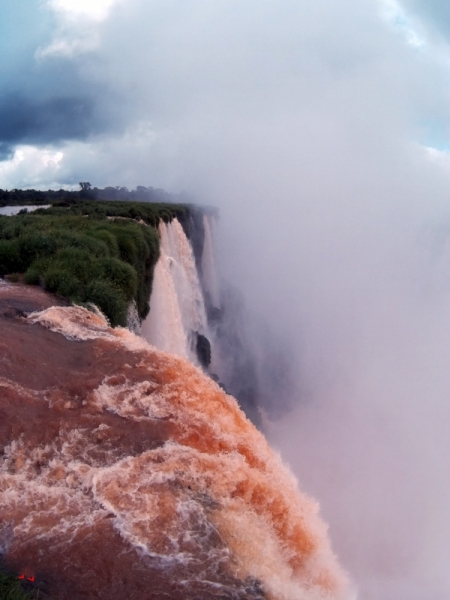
column 177, row 309
column 196, row 315
column 127, row 473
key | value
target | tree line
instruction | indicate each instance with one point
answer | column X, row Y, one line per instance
column 88, row 192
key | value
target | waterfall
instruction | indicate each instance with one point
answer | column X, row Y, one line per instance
column 163, row 327
column 177, row 307
column 209, row 271
column 233, row 347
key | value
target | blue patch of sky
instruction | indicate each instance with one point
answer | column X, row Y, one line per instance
column 435, row 134
column 435, row 12
column 23, row 27
column 433, row 131
column 400, row 20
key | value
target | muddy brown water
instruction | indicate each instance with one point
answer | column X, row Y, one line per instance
column 126, row 473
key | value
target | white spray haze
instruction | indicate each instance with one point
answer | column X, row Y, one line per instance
column 324, row 205
column 359, row 278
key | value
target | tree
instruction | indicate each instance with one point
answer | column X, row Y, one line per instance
column 85, row 186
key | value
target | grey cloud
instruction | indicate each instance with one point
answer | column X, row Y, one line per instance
column 54, row 107
column 48, row 99
column 23, row 120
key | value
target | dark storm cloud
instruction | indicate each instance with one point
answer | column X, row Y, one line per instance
column 24, row 120
column 47, row 99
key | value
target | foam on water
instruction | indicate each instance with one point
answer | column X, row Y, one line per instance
column 75, row 323
column 4, row 284
column 214, row 495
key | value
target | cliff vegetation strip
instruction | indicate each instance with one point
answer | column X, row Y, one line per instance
column 88, row 252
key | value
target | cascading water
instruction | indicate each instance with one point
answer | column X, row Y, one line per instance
column 163, row 327
column 227, row 342
column 177, row 308
column 139, row 477
column 209, row 271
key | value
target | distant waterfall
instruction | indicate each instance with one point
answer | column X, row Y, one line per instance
column 177, row 308
column 210, row 281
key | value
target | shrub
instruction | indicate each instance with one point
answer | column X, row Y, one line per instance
column 120, row 274
column 32, row 276
column 110, row 301
column 9, row 257
column 56, row 279
column 85, row 258
column 108, row 238
column 33, row 245
column 68, row 286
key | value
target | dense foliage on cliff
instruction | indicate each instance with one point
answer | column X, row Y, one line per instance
column 88, row 252
column 151, row 213
column 104, row 262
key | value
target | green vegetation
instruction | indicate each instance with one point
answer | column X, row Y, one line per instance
column 11, row 588
column 149, row 212
column 88, row 252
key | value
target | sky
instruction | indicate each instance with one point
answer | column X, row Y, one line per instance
column 180, row 87
column 321, row 130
